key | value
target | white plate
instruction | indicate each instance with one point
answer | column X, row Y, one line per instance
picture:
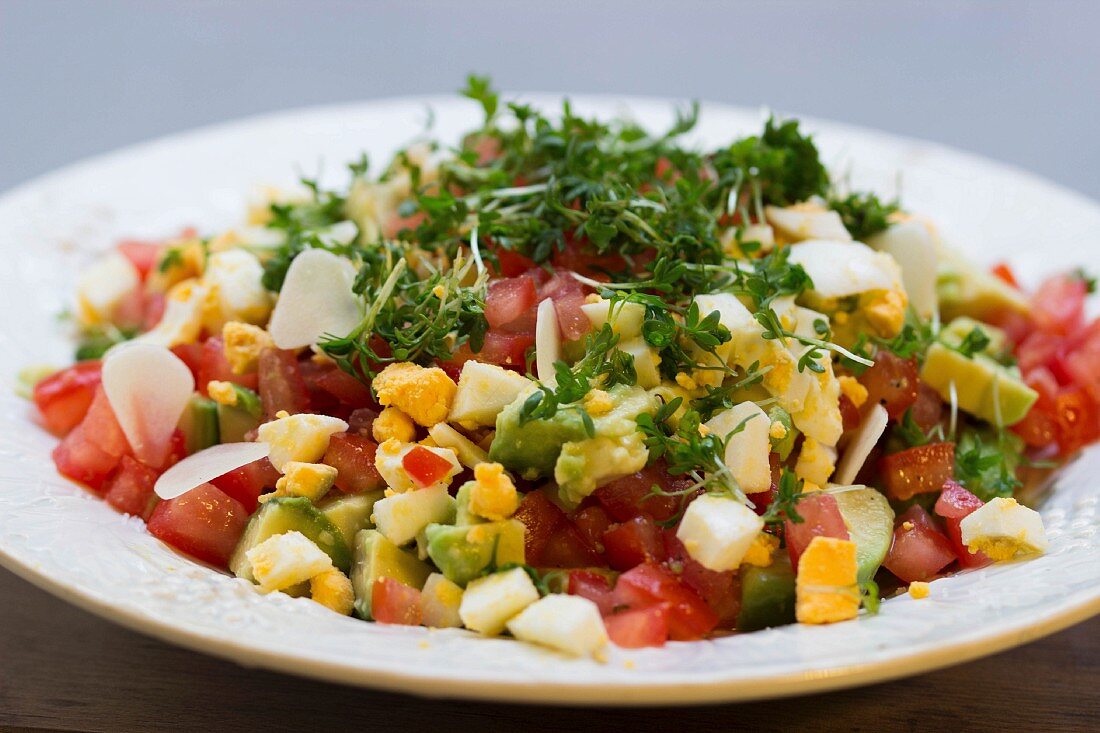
column 70, row 543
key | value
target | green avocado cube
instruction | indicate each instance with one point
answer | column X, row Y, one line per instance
column 376, row 557
column 465, row 553
column 767, row 596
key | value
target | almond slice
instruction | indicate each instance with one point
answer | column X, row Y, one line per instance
column 205, row 465
column 316, row 300
column 547, row 341
column 860, row 446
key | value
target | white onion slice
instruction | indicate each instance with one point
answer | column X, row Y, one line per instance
column 547, row 341
column 860, row 446
column 839, row 269
column 316, row 299
column 148, row 388
column 199, row 468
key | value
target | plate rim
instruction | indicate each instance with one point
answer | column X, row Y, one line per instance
column 635, row 692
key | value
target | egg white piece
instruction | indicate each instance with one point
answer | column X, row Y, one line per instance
column 205, row 465
column 915, row 249
column 839, row 269
column 861, row 444
column 148, row 388
column 316, row 299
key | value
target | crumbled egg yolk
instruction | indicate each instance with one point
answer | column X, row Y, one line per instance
column 761, row 550
column 886, row 313
column 853, row 390
column 777, row 431
column 825, row 588
column 393, row 424
column 311, row 480
column 424, row 394
column 243, row 344
column 598, row 402
column 222, row 392
column 493, row 494
column 816, row 462
column 686, row 381
column 332, row 589
column 919, row 589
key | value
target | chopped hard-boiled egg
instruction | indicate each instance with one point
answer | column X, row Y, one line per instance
column 423, row 393
column 826, row 589
column 747, row 449
column 493, row 495
column 761, row 550
column 243, row 343
column 839, row 269
column 104, row 287
column 392, row 423
column 625, row 319
column 332, row 589
column 389, row 460
column 311, row 480
column 237, row 293
column 1004, row 529
column 567, row 623
column 718, row 531
column 647, row 361
column 302, row 437
column 916, row 250
column 816, row 462
column 182, row 319
column 806, row 221
column 401, row 516
column 483, row 391
column 489, row 603
column 440, row 600
column 469, row 453
column 287, row 559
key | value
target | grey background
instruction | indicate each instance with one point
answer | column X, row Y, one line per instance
column 1013, row 80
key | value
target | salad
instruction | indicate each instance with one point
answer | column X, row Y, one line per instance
column 575, row 382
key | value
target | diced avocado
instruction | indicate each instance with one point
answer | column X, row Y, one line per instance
column 376, row 557
column 784, row 445
column 351, row 513
column 532, row 448
column 957, row 332
column 483, row 391
column 199, row 423
column 964, row 289
column 983, row 387
column 767, row 595
column 463, row 515
column 587, row 464
column 287, row 514
column 464, row 553
column 236, row 420
column 870, row 522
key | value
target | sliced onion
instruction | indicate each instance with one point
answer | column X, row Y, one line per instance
column 205, row 465
column 148, row 388
column 547, row 341
column 862, row 443
column 316, row 299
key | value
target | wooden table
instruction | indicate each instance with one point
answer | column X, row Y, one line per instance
column 64, row 669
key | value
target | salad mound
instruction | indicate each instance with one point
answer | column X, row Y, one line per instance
column 576, row 382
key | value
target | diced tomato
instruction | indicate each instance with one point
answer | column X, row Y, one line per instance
column 81, row 459
column 821, row 517
column 579, row 256
column 142, row 255
column 503, row 349
column 424, row 466
column 849, row 413
column 892, row 382
column 191, row 355
column 1083, row 365
column 927, row 411
column 393, row 602
column 1058, row 306
column 920, row 470
column 954, row 505
column 177, row 451
column 567, row 548
column 1003, row 271
column 213, row 365
column 361, row 421
column 205, row 523
column 395, row 224
column 592, row 522
column 510, row 304
column 920, row 549
column 512, row 264
column 646, row 585
column 281, row 384
column 633, row 542
column 353, row 458
column 1076, row 419
column 572, row 321
column 155, row 304
column 1038, row 349
column 247, row 483
column 595, row 587
column 63, row 398
column 342, row 386
column 632, row 496
column 720, row 590
column 130, row 488
column 541, row 518
column 1039, row 428
column 640, row 627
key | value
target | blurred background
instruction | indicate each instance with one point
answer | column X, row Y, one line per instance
column 1009, row 79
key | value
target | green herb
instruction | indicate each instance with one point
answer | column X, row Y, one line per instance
column 785, row 504
column 986, row 461
column 782, row 160
column 1087, row 279
column 95, row 342
column 864, row 215
column 973, row 343
column 869, row 597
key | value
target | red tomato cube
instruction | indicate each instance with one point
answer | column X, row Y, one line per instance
column 640, row 627
column 821, row 517
column 632, row 496
column 213, row 365
column 510, row 304
column 954, row 505
column 353, row 458
column 425, row 467
column 205, row 523
column 633, row 542
column 63, row 398
column 130, row 488
column 393, row 602
column 595, row 587
column 920, row 470
column 920, row 549
column 892, row 382
column 247, row 483
column 646, row 585
column 281, row 384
